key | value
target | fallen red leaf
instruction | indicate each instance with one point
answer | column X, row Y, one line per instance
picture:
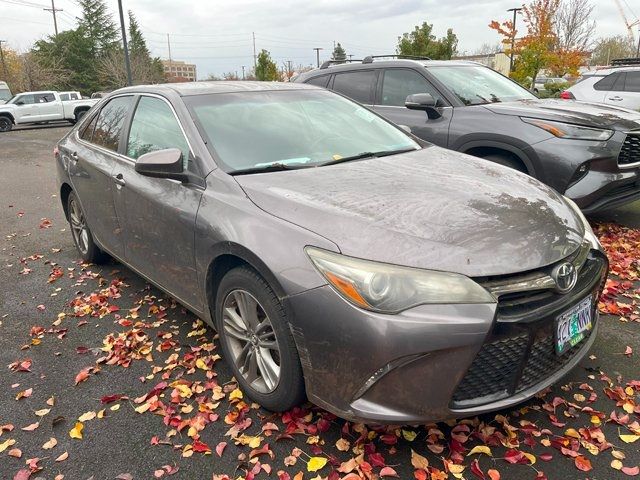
column 582, row 463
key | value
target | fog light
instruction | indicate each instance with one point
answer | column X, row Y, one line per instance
column 579, row 174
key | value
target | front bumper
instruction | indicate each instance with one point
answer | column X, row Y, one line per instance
column 606, row 183
column 409, row 368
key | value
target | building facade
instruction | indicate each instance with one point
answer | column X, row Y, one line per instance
column 179, row 71
column 498, row 61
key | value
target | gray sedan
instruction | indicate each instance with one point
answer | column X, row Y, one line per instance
column 340, row 259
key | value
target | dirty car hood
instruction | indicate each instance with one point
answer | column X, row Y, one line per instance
column 432, row 208
column 569, row 111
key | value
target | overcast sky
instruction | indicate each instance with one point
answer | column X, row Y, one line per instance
column 217, row 35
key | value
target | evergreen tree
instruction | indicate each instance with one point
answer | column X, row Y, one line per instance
column 422, row 42
column 339, row 55
column 266, row 68
column 98, row 25
column 137, row 43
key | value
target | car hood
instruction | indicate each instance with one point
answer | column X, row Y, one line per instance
column 432, row 208
column 569, row 111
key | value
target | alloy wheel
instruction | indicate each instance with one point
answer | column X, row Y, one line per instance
column 251, row 340
column 5, row 124
column 79, row 227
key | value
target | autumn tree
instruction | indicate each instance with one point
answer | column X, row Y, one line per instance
column 422, row 42
column 266, row 68
column 609, row 48
column 339, row 54
column 557, row 33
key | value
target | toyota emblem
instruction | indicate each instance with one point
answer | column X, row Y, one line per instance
column 565, row 276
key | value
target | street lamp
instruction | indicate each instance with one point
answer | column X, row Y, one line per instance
column 513, row 37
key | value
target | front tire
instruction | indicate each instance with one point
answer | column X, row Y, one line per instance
column 256, row 340
column 5, row 124
column 81, row 234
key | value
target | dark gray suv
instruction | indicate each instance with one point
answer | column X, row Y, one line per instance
column 588, row 152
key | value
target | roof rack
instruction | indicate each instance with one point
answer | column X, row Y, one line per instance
column 621, row 62
column 328, row 63
column 371, row 58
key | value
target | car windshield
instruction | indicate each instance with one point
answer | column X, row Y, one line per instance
column 291, row 128
column 477, row 85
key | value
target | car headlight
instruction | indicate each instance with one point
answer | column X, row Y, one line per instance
column 589, row 236
column 568, row 130
column 386, row 288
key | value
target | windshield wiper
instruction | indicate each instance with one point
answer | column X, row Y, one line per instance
column 359, row 156
column 273, row 167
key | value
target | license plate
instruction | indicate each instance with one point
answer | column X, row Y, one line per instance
column 572, row 326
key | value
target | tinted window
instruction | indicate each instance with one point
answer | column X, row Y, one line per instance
column 110, row 121
column 45, row 97
column 607, row 82
column 87, row 130
column 619, row 85
column 356, row 85
column 320, row 81
column 64, row 97
column 632, row 83
column 74, row 96
column 399, row 83
column 155, row 127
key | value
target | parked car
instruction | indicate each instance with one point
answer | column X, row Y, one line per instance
column 5, row 93
column 619, row 86
column 542, row 82
column 590, row 153
column 336, row 255
column 41, row 107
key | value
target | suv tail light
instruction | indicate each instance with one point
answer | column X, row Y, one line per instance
column 567, row 95
column 56, row 151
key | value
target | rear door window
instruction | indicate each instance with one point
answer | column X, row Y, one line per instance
column 607, row 82
column 632, row 82
column 110, row 121
column 399, row 83
column 87, row 131
column 320, row 81
column 356, row 85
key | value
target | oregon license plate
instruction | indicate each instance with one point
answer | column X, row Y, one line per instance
column 572, row 326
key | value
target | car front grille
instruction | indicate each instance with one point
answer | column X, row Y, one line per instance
column 630, row 152
column 520, row 353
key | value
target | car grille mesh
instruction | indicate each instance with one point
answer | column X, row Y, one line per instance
column 520, row 351
column 630, row 152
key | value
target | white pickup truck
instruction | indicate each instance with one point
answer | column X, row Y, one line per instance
column 41, row 107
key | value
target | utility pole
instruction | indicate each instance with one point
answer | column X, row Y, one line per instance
column 513, row 37
column 349, row 57
column 170, row 64
column 255, row 58
column 289, row 71
column 53, row 10
column 4, row 65
column 127, row 63
column 243, row 72
column 317, row 49
column 638, row 49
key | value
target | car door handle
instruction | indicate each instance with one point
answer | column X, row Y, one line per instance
column 616, row 99
column 74, row 156
column 119, row 180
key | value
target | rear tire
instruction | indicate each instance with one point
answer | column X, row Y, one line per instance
column 256, row 341
column 506, row 161
column 79, row 115
column 82, row 237
column 5, row 124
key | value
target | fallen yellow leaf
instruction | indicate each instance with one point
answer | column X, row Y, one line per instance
column 43, row 412
column 616, row 464
column 629, row 438
column 87, row 416
column 418, row 461
column 480, row 449
column 76, row 432
column 409, row 435
column 316, row 463
column 236, row 394
column 6, row 444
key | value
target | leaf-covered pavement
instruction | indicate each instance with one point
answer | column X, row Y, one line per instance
column 92, row 356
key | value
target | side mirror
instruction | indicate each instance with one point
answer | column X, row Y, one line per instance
column 19, row 102
column 423, row 101
column 162, row 164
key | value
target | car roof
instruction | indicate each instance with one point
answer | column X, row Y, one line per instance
column 217, row 86
column 388, row 63
column 608, row 70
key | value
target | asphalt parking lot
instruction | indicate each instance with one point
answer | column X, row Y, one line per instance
column 53, row 331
